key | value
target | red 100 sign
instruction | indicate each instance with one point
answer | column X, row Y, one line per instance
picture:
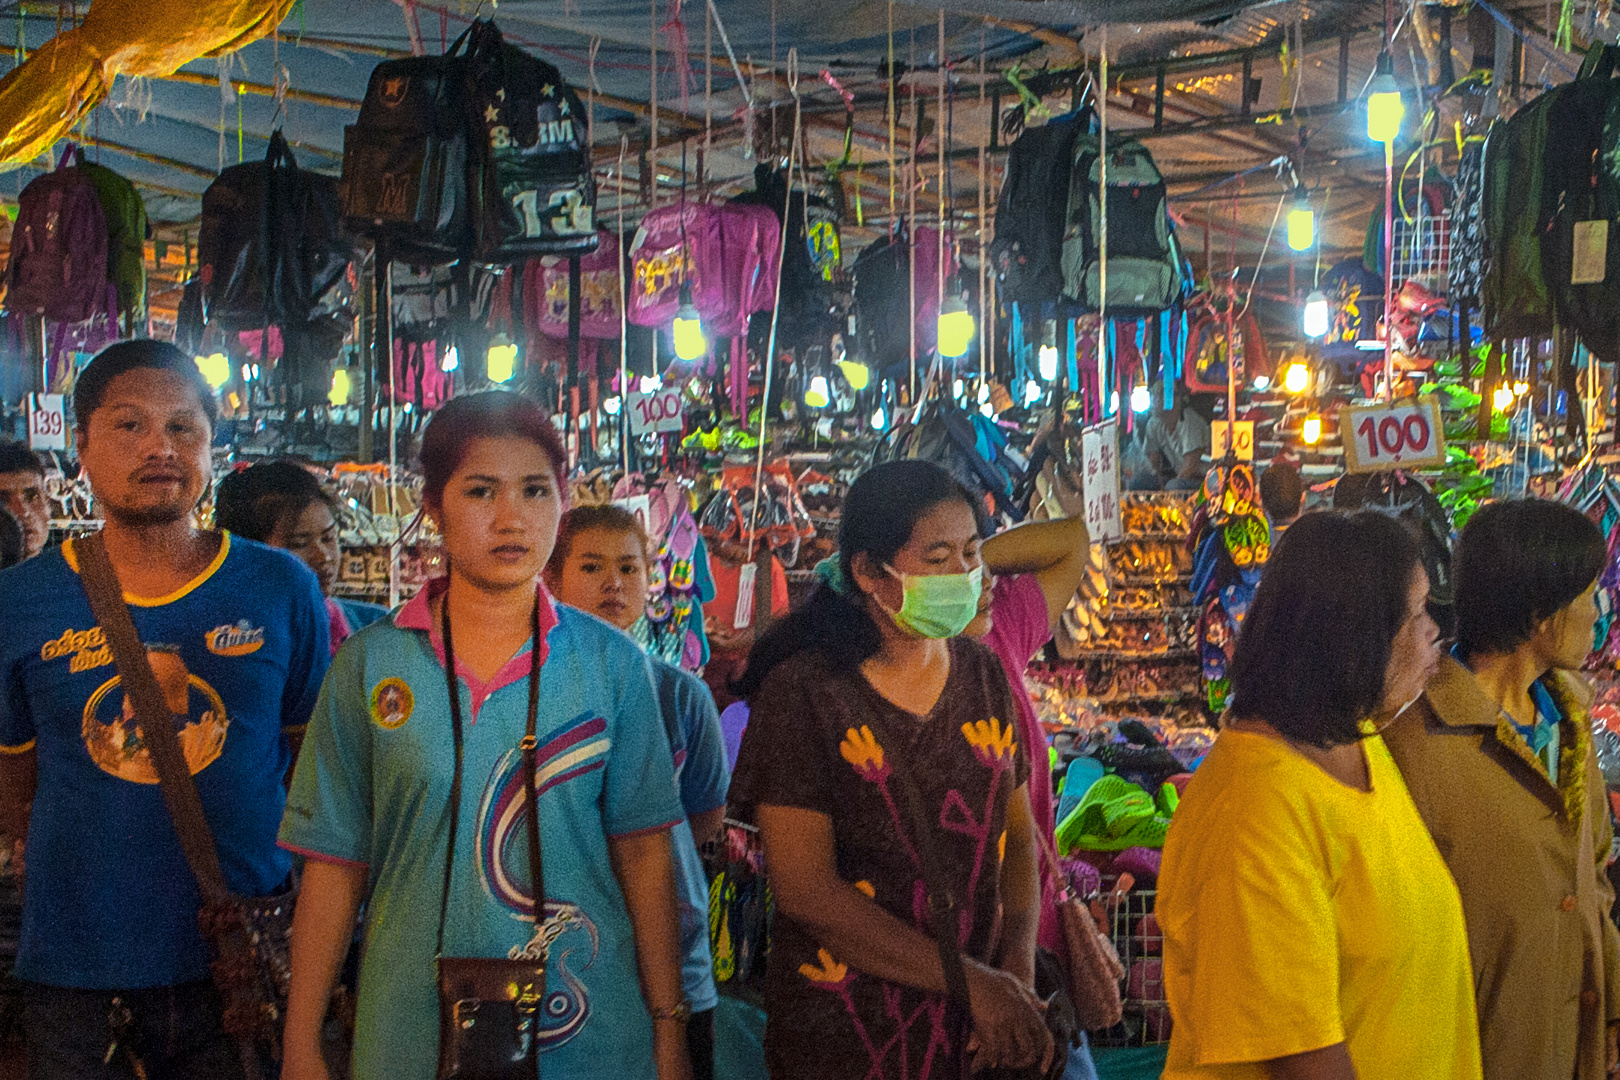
column 1403, row 436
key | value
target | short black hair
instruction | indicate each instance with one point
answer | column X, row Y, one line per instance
column 1282, row 492
column 1517, row 563
column 1315, row 646
column 16, row 457
column 254, row 501
column 91, row 385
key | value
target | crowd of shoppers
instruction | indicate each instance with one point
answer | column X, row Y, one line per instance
column 1391, row 864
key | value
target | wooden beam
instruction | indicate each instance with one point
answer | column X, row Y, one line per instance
column 147, row 156
column 331, row 101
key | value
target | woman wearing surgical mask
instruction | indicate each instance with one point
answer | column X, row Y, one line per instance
column 1498, row 755
column 866, row 680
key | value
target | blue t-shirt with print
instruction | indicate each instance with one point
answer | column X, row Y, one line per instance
column 372, row 788
column 110, row 902
column 702, row 777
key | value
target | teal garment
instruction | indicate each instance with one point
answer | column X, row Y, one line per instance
column 702, row 776
column 1543, row 736
column 372, row 788
column 359, row 613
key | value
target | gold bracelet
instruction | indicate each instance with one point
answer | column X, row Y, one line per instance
column 680, row 1014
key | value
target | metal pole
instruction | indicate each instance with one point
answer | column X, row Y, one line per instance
column 1102, row 233
column 1389, row 267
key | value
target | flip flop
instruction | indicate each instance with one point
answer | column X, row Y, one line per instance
column 1113, row 815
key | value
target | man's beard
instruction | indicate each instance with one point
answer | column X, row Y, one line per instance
column 147, row 517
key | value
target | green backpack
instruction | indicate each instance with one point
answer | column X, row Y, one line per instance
column 127, row 233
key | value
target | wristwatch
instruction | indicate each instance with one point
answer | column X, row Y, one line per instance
column 680, row 1014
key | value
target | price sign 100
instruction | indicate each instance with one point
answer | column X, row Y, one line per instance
column 1405, row 436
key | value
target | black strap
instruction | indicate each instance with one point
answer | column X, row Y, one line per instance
column 942, row 904
column 537, row 876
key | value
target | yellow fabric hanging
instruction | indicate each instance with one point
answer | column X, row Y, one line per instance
column 60, row 83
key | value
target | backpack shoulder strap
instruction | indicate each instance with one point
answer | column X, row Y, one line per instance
column 152, row 712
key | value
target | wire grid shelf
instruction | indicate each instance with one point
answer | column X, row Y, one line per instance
column 1136, row 936
column 1422, row 250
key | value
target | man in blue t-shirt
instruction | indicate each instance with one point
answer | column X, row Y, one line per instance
column 115, row 966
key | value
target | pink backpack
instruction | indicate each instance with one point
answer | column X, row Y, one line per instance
column 58, row 264
column 545, row 292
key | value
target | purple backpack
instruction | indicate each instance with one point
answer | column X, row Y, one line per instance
column 58, row 264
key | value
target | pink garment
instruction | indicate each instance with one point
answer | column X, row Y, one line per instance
column 545, row 292
column 926, row 238
column 659, row 263
column 419, row 360
column 731, row 254
column 339, row 623
column 1019, row 627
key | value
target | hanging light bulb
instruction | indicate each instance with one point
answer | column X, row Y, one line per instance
column 611, row 406
column 1503, row 398
column 1032, row 393
column 879, row 420
column 339, row 395
column 1141, row 399
column 1311, row 432
column 500, row 362
column 1316, row 315
column 1301, row 222
column 1296, row 378
column 1262, row 383
column 858, row 375
column 818, row 395
column 688, row 329
column 955, row 327
column 649, row 384
column 984, row 393
column 216, row 368
column 1048, row 362
column 450, row 360
column 1385, row 109
column 1519, row 389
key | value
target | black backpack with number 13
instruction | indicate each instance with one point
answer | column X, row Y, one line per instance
column 480, row 153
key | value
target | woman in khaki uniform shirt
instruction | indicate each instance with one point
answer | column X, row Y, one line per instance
column 1498, row 757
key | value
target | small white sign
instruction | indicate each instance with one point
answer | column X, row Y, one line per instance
column 659, row 411
column 743, row 617
column 1590, row 259
column 1222, row 440
column 47, row 422
column 1407, row 435
column 1099, row 449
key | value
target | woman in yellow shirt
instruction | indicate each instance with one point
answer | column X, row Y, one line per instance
column 1311, row 929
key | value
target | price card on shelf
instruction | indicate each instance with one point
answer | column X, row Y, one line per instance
column 659, row 411
column 47, row 422
column 1401, row 435
column 1237, row 438
column 1099, row 453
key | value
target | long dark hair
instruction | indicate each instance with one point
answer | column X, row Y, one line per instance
column 883, row 507
column 1315, row 645
column 254, row 502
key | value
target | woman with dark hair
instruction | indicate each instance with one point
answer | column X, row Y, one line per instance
column 280, row 503
column 866, row 684
column 1498, row 756
column 1311, row 929
column 415, row 801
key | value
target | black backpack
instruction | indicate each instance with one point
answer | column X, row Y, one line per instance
column 1144, row 262
column 1032, row 212
column 536, row 194
column 883, row 302
column 406, row 160
column 1581, row 184
column 479, row 152
column 807, row 314
column 271, row 250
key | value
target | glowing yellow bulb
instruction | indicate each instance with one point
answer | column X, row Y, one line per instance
column 501, row 360
column 818, row 396
column 1503, row 398
column 955, row 329
column 339, row 395
column 859, row 375
column 688, row 335
column 1312, row 430
column 1296, row 378
column 1301, row 227
column 216, row 368
column 1385, row 110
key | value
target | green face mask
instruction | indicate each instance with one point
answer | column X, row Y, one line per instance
column 938, row 605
